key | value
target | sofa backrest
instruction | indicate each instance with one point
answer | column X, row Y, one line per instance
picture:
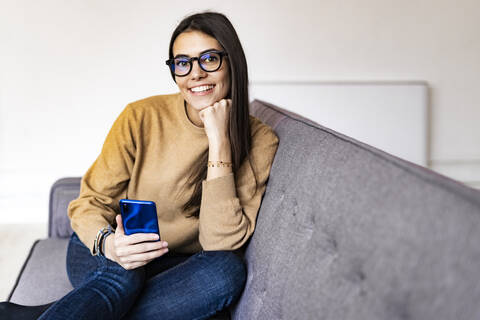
column 61, row 193
column 346, row 231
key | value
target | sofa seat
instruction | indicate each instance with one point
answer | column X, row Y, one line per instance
column 43, row 277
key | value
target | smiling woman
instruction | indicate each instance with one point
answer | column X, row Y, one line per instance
column 203, row 160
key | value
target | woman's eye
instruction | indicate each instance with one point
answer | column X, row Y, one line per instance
column 210, row 58
column 181, row 63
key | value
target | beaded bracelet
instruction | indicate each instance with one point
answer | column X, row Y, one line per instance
column 219, row 164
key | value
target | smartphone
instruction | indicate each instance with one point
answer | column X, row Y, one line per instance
column 139, row 216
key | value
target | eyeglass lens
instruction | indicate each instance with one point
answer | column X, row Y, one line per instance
column 209, row 62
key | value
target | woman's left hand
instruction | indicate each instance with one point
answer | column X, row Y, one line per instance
column 215, row 119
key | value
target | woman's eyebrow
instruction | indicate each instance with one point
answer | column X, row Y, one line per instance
column 181, row 55
column 208, row 50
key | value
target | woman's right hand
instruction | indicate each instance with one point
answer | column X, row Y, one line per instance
column 131, row 251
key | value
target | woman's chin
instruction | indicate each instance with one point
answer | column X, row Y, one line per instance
column 200, row 104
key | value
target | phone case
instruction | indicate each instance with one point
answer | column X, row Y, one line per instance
column 139, row 216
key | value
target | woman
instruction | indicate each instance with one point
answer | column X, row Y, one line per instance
column 203, row 160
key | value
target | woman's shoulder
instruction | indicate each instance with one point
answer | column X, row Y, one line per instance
column 261, row 132
column 155, row 102
column 153, row 108
column 262, row 152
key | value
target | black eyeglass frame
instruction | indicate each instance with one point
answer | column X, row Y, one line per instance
column 171, row 62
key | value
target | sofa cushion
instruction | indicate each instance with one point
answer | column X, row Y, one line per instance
column 346, row 231
column 43, row 278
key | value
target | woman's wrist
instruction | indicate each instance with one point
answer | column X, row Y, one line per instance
column 109, row 245
column 219, row 144
column 219, row 151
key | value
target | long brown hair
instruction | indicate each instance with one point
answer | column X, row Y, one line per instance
column 219, row 27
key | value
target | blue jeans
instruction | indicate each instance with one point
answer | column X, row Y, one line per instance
column 173, row 286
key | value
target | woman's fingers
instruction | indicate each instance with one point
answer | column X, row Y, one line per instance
column 144, row 257
column 134, row 265
column 224, row 103
column 141, row 251
column 138, row 238
column 142, row 247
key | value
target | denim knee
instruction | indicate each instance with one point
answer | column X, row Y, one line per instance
column 199, row 287
column 82, row 266
column 120, row 286
column 107, row 292
column 230, row 272
column 133, row 278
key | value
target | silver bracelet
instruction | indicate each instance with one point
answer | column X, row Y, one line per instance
column 98, row 244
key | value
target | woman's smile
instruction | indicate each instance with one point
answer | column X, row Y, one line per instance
column 202, row 90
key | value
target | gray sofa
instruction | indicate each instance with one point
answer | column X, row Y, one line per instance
column 345, row 231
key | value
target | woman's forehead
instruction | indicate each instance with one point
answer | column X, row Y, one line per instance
column 193, row 43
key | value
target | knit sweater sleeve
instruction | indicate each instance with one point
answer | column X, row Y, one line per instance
column 230, row 204
column 106, row 181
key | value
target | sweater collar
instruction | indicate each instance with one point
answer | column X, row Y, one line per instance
column 181, row 107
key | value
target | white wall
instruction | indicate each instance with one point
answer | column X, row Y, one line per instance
column 67, row 68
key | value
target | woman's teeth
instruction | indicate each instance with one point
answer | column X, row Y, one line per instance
column 202, row 88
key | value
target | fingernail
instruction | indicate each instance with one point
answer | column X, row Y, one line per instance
column 165, row 243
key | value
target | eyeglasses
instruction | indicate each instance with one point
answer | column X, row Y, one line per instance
column 209, row 61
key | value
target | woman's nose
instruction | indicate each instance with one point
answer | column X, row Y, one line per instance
column 197, row 72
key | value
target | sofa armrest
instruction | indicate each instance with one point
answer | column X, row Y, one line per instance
column 62, row 192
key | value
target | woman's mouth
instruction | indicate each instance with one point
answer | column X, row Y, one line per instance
column 202, row 90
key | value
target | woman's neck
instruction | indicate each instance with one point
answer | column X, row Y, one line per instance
column 193, row 116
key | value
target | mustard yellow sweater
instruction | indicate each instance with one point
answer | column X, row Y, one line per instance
column 147, row 155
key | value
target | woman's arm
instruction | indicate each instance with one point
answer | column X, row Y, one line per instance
column 215, row 120
column 229, row 208
column 230, row 203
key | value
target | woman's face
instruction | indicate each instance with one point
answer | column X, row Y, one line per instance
column 217, row 83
